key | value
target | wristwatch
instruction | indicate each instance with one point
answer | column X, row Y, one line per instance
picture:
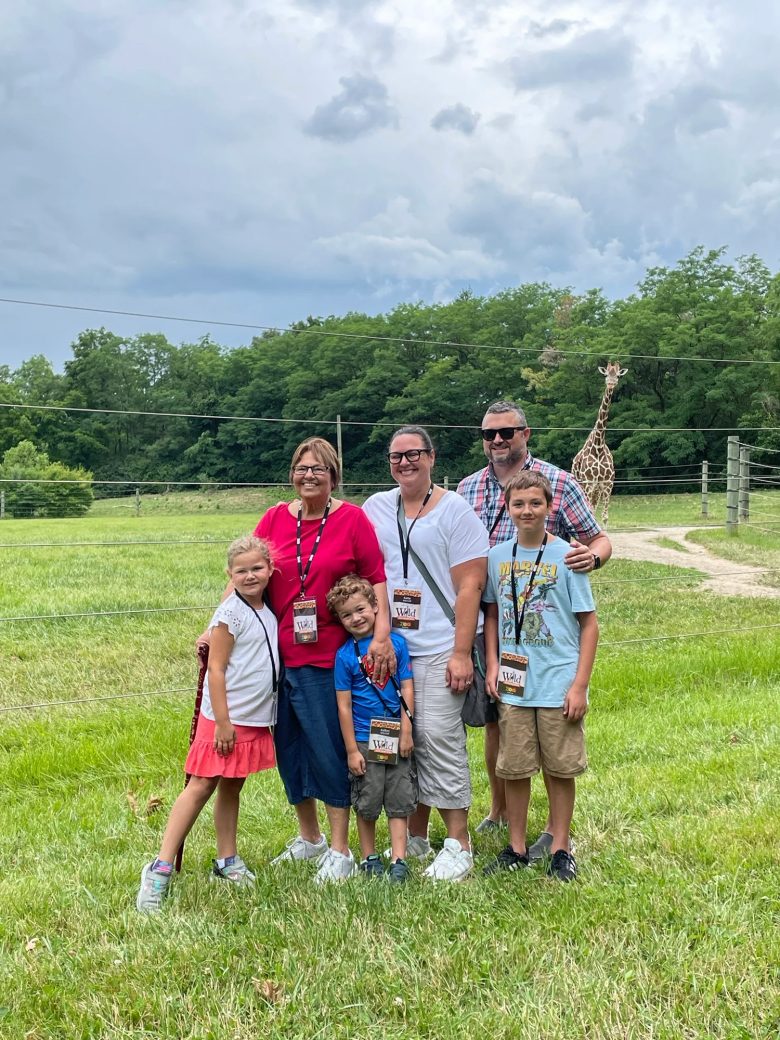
column 596, row 561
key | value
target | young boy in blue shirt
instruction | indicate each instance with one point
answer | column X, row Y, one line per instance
column 541, row 634
column 376, row 723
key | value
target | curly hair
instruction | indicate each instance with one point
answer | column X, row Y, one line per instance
column 350, row 585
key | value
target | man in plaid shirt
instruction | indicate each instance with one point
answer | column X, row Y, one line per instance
column 505, row 435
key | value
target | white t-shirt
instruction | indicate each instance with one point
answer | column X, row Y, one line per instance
column 249, row 677
column 450, row 534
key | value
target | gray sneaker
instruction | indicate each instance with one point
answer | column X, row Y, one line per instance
column 540, row 849
column 299, row 848
column 416, row 848
column 489, row 826
column 235, row 871
column 153, row 890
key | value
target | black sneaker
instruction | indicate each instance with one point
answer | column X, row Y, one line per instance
column 562, row 866
column 507, row 859
column 372, row 866
column 398, row 872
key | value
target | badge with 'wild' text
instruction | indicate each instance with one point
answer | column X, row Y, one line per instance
column 512, row 670
column 305, row 621
column 406, row 608
column 384, row 736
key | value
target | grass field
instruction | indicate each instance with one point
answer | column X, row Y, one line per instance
column 671, row 930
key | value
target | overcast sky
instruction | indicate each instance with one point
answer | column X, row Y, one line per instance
column 262, row 160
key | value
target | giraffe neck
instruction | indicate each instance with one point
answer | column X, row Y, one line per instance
column 597, row 436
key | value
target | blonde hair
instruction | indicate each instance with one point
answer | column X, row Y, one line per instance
column 351, row 585
column 249, row 543
column 528, row 478
column 323, row 451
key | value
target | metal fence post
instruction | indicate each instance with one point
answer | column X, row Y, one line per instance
column 744, row 482
column 2, row 505
column 137, row 501
column 339, row 452
column 705, row 503
column 732, row 485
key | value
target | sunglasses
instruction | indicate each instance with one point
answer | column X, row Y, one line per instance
column 506, row 433
column 412, row 455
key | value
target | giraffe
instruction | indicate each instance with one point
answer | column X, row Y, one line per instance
column 593, row 466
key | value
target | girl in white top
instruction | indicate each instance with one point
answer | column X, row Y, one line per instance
column 233, row 737
column 452, row 543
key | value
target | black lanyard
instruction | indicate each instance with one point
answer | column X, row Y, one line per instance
column 303, row 574
column 404, row 536
column 274, row 676
column 371, row 682
column 528, row 588
column 497, row 521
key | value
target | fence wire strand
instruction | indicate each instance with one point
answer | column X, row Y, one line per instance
column 188, row 689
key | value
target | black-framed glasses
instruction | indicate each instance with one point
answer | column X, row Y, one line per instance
column 506, row 433
column 412, row 455
column 317, row 471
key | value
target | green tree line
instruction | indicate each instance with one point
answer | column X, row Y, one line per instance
column 439, row 364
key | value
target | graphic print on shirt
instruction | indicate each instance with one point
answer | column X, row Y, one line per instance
column 536, row 632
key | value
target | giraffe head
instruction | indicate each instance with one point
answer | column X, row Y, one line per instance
column 612, row 372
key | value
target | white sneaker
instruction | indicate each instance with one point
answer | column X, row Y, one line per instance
column 299, row 848
column 416, row 848
column 453, row 863
column 335, row 866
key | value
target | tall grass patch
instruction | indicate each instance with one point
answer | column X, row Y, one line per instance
column 670, row 931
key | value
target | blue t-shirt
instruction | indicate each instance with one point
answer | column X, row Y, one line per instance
column 367, row 703
column 551, row 633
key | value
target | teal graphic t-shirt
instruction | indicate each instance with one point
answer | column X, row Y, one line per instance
column 551, row 634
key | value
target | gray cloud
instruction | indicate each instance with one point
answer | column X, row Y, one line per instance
column 592, row 57
column 457, row 117
column 502, row 121
column 361, row 106
column 556, row 27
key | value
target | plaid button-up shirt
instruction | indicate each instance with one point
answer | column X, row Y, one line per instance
column 571, row 515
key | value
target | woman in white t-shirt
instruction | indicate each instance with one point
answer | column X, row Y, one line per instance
column 421, row 523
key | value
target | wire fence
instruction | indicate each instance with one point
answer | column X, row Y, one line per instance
column 758, row 479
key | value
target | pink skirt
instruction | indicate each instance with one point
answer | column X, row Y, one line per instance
column 252, row 753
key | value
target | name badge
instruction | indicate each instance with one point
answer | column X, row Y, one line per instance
column 305, row 621
column 384, row 736
column 406, row 608
column 512, row 670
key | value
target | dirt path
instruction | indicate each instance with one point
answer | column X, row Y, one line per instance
column 727, row 578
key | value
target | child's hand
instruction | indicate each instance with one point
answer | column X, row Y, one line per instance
column 575, row 705
column 224, row 738
column 204, row 639
column 356, row 763
column 491, row 681
column 406, row 744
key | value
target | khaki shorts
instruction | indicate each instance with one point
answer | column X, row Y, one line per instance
column 530, row 739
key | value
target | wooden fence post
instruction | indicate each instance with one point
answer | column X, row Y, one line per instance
column 705, row 503
column 732, row 485
column 744, row 483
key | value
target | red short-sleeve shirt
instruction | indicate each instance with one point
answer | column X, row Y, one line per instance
column 348, row 546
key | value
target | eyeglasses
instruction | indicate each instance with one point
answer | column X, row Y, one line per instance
column 412, row 455
column 506, row 433
column 317, row 471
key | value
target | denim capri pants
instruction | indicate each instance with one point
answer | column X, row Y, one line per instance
column 310, row 750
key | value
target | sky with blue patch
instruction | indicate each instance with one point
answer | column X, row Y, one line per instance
column 263, row 161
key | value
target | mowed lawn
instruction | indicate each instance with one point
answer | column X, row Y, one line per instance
column 671, row 930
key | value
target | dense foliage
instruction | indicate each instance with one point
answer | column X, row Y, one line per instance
column 31, row 485
column 437, row 364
